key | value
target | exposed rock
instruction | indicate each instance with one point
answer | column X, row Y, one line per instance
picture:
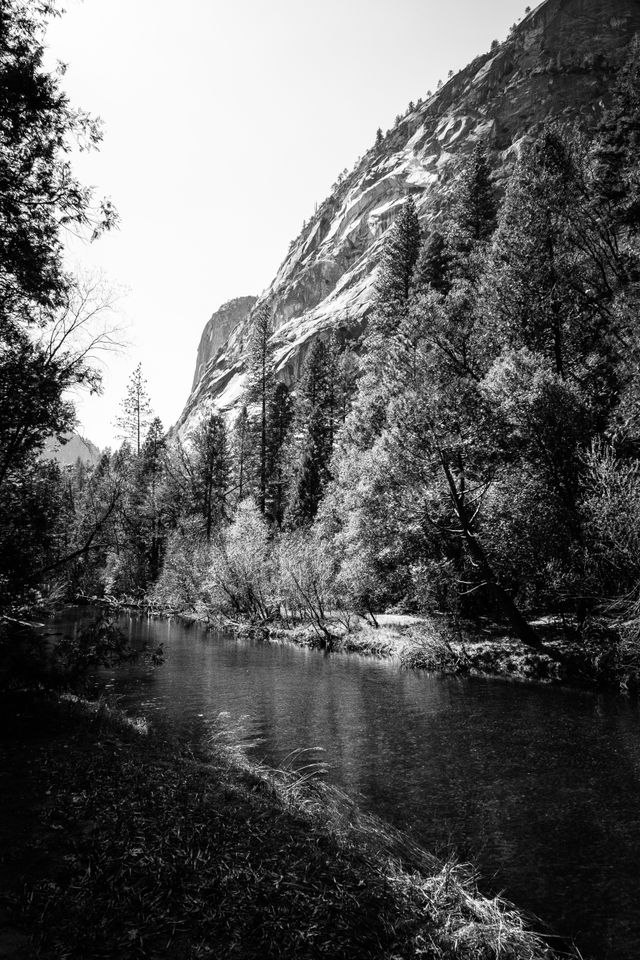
column 73, row 447
column 218, row 330
column 558, row 63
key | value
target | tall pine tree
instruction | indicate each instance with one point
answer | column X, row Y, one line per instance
column 397, row 263
column 261, row 384
column 314, row 434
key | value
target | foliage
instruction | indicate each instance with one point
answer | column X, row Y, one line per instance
column 45, row 316
column 241, row 573
column 135, row 414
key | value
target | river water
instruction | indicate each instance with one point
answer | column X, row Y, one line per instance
column 537, row 786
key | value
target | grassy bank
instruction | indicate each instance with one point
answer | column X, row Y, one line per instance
column 133, row 848
column 432, row 644
column 594, row 655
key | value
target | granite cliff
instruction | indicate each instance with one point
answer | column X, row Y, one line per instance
column 558, row 62
column 218, row 330
column 72, row 448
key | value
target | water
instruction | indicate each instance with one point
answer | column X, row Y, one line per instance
column 539, row 787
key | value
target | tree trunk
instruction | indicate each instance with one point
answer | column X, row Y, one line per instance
column 522, row 629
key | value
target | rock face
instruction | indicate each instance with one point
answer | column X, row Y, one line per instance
column 218, row 330
column 73, row 448
column 558, row 63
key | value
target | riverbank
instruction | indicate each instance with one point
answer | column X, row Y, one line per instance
column 595, row 658
column 121, row 844
column 477, row 650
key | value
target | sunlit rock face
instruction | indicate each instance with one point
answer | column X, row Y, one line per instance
column 558, row 63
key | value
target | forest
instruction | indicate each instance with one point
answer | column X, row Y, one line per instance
column 473, row 455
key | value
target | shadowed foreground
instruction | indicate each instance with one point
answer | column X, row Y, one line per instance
column 118, row 846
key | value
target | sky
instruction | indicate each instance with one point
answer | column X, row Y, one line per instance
column 224, row 122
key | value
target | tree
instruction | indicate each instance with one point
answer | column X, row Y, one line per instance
column 314, row 429
column 241, row 574
column 241, row 454
column 259, row 389
column 399, row 257
column 473, row 211
column 210, row 471
column 136, row 410
column 552, row 274
column 151, row 469
column 433, row 267
column 41, row 357
column 280, row 418
column 39, row 194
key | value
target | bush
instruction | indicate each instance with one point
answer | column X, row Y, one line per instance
column 242, row 575
column 182, row 582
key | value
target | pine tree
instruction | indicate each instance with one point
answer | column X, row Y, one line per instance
column 136, row 410
column 314, row 430
column 548, row 294
column 148, row 481
column 433, row 267
column 259, row 391
column 474, row 210
column 280, row 417
column 391, row 302
column 545, row 278
column 398, row 260
column 347, row 372
column 241, row 457
column 210, row 471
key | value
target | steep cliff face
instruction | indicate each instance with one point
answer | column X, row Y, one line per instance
column 218, row 330
column 557, row 63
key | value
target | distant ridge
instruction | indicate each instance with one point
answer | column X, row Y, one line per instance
column 72, row 449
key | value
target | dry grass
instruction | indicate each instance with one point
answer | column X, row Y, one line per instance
column 167, row 854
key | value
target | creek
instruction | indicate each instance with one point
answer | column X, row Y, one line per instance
column 537, row 786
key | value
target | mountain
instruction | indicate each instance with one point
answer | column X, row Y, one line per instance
column 72, row 448
column 558, row 62
column 218, row 330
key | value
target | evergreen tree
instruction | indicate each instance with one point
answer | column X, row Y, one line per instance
column 241, row 455
column 548, row 288
column 259, row 391
column 150, row 473
column 347, row 372
column 209, row 472
column 433, row 267
column 399, row 257
column 473, row 211
column 280, row 417
column 136, row 410
column 314, row 430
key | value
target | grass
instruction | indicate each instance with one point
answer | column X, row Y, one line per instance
column 415, row 643
column 431, row 644
column 157, row 852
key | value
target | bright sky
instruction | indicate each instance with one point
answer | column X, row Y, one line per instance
column 224, row 122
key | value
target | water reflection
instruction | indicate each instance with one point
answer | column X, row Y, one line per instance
column 540, row 787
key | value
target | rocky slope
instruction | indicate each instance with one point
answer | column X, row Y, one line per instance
column 558, row 62
column 72, row 448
